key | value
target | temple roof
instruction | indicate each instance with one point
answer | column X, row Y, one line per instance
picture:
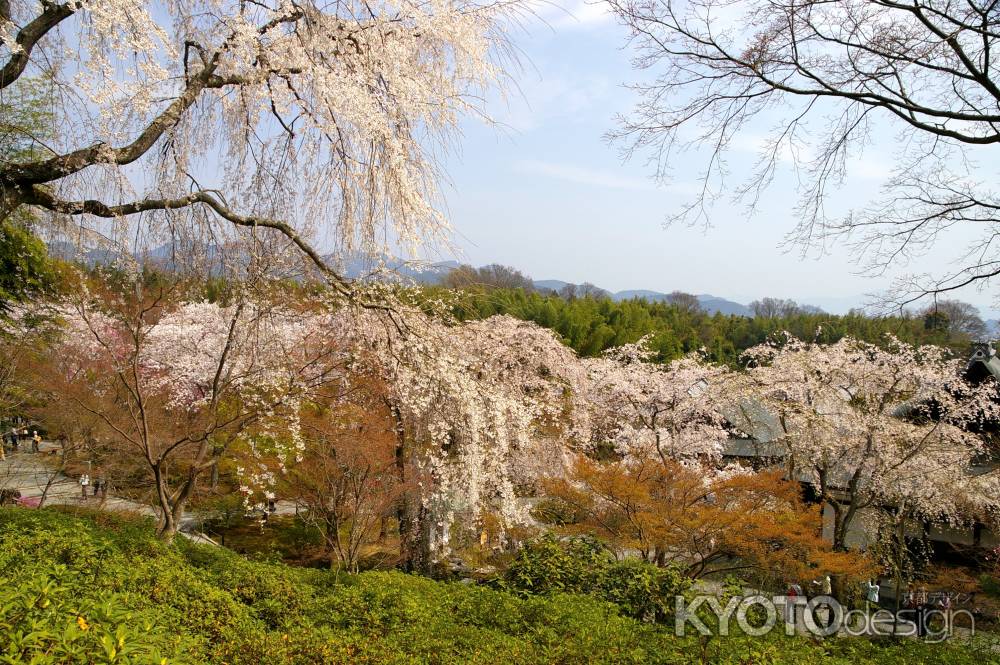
column 983, row 362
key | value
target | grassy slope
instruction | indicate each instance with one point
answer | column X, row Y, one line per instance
column 102, row 589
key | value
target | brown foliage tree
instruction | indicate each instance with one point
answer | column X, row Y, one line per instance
column 675, row 514
column 347, row 482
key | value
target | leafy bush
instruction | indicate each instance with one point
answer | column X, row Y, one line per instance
column 581, row 565
column 550, row 565
column 100, row 589
column 41, row 615
column 643, row 591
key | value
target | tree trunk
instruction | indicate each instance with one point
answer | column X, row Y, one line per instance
column 414, row 536
column 171, row 507
column 165, row 530
column 842, row 519
column 414, row 526
column 168, row 527
column 331, row 536
column 48, row 486
column 10, row 201
column 839, row 530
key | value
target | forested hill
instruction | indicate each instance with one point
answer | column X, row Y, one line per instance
column 592, row 324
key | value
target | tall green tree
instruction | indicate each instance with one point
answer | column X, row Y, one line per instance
column 26, row 127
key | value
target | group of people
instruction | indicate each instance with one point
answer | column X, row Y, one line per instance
column 820, row 587
column 13, row 438
column 99, row 487
column 916, row 606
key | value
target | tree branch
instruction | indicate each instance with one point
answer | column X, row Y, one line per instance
column 29, row 35
column 41, row 197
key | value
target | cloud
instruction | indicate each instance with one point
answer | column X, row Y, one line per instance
column 583, row 176
column 870, row 168
column 759, row 145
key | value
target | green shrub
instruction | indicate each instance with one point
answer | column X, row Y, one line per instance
column 643, row 591
column 579, row 565
column 550, row 565
column 99, row 589
column 45, row 619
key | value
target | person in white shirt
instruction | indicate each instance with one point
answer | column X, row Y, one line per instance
column 871, row 593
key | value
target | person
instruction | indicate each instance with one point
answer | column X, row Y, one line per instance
column 921, row 606
column 791, row 597
column 9, row 496
column 871, row 593
column 35, row 441
column 97, row 485
column 84, row 482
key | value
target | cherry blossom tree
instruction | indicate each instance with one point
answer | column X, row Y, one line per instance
column 473, row 404
column 872, row 426
column 652, row 480
column 176, row 386
column 209, row 122
column 670, row 412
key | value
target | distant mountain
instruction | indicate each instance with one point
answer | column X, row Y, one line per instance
column 67, row 251
column 552, row 284
column 358, row 266
column 709, row 303
column 352, row 266
column 640, row 293
column 431, row 273
column 713, row 304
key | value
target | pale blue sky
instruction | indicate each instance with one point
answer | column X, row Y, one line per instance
column 548, row 195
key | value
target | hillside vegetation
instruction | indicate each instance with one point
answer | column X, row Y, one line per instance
column 101, row 589
column 593, row 324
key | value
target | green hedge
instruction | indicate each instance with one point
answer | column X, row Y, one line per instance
column 582, row 566
column 96, row 589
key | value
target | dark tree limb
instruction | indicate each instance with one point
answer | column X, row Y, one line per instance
column 29, row 36
column 40, row 197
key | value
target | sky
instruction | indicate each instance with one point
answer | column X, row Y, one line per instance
column 545, row 192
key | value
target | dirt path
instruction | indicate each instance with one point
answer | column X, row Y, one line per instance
column 28, row 473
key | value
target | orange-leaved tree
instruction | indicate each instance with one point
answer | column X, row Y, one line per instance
column 348, row 482
column 704, row 520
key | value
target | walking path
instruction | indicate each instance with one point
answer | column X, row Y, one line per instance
column 28, row 473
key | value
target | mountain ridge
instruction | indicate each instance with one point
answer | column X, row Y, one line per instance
column 708, row 302
column 357, row 266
